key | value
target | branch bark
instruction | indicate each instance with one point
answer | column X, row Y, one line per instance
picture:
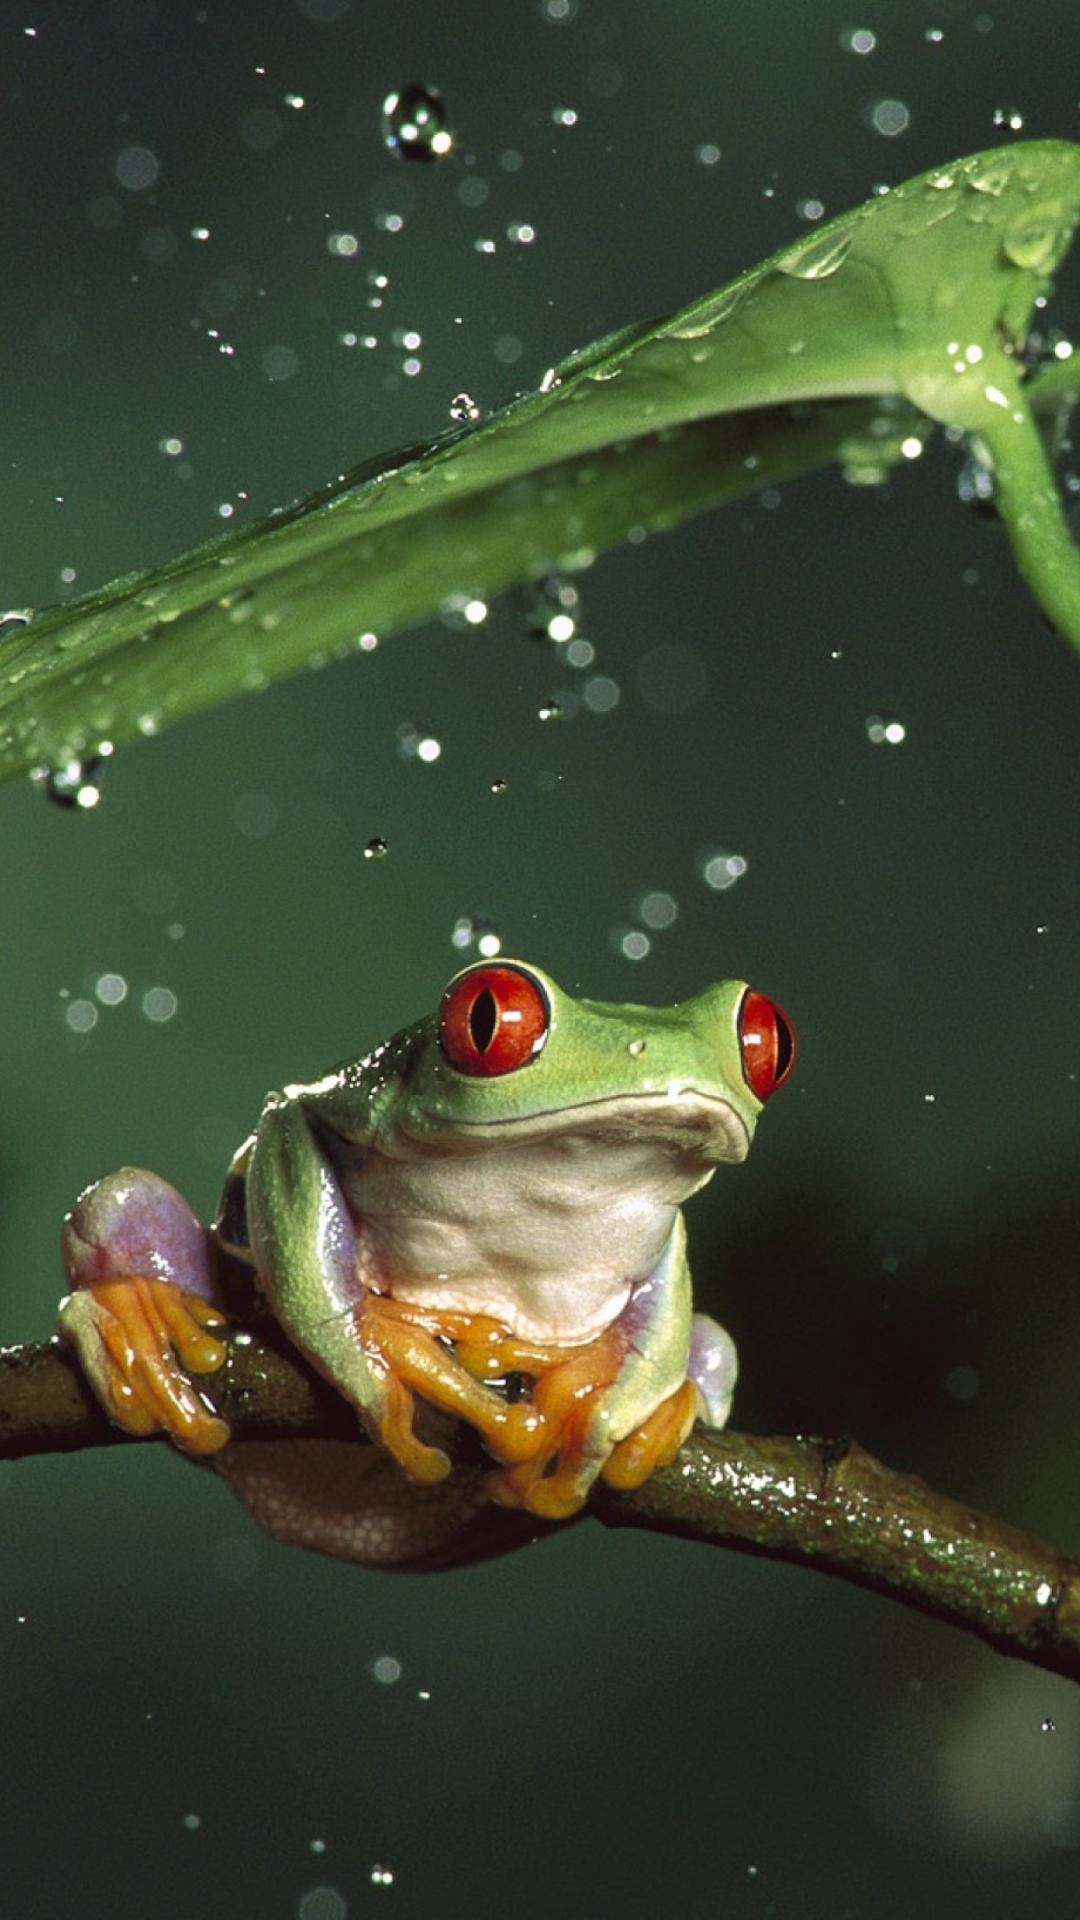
column 825, row 1504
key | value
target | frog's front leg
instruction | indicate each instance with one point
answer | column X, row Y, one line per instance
column 620, row 1406
column 142, row 1313
column 314, row 1270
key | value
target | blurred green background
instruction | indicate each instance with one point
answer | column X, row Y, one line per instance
column 196, row 1721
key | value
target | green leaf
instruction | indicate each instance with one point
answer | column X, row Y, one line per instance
column 847, row 345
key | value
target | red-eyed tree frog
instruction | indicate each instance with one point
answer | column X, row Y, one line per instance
column 480, row 1221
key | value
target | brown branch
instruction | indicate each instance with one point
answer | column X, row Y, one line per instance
column 824, row 1504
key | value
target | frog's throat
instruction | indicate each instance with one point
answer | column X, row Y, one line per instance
column 677, row 1115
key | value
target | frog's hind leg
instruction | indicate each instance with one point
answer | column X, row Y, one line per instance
column 142, row 1314
column 655, row 1443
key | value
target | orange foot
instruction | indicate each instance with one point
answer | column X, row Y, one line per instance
column 555, row 1483
column 412, row 1353
column 568, row 1392
column 137, row 1339
column 547, row 1444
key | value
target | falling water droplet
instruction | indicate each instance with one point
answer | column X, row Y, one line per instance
column 464, row 407
column 376, row 849
column 552, row 609
column 975, row 487
column 1009, row 117
column 75, row 782
column 475, row 933
column 417, row 743
column 414, row 124
column 882, row 731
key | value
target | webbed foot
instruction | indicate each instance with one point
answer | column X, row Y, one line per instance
column 411, row 1352
column 137, row 1339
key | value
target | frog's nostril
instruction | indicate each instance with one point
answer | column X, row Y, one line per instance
column 483, row 1019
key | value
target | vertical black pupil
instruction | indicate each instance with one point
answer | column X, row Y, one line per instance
column 785, row 1047
column 483, row 1020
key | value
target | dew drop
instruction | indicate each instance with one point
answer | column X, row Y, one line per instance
column 376, row 849
column 707, row 314
column 1034, row 244
column 464, row 407
column 16, row 620
column 991, row 176
column 238, row 606
column 414, row 124
column 815, row 258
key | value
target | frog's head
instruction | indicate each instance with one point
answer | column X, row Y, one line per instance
column 511, row 1057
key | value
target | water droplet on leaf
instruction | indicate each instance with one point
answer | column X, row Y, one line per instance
column 707, row 314
column 1035, row 244
column 991, row 176
column 16, row 620
column 819, row 255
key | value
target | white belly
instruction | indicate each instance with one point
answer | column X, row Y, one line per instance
column 546, row 1236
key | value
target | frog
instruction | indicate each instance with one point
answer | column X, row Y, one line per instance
column 478, row 1224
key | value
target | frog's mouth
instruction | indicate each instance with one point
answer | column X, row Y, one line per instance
column 678, row 1119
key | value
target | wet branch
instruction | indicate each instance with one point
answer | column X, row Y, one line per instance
column 821, row 1503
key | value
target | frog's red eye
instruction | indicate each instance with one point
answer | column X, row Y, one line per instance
column 768, row 1044
column 493, row 1020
